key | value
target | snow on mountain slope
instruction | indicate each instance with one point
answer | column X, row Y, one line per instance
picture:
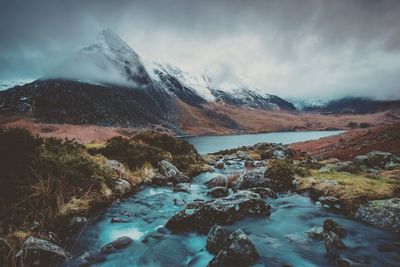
column 110, row 60
column 233, row 92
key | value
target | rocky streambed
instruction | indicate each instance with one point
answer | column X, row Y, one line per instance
column 229, row 217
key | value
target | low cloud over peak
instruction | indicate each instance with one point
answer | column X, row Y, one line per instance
column 296, row 49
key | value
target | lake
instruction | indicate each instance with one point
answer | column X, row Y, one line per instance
column 210, row 144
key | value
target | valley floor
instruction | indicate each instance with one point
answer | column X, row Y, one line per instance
column 214, row 120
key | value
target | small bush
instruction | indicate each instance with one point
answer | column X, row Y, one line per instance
column 152, row 147
column 281, row 173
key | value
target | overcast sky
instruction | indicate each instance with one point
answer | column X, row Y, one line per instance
column 295, row 49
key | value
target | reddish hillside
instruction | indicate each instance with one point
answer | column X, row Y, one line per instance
column 356, row 142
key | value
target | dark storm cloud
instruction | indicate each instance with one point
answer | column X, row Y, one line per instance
column 290, row 48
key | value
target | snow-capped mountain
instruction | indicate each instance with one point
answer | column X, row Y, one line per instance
column 233, row 93
column 110, row 61
column 108, row 83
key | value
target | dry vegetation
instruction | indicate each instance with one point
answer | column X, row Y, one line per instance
column 356, row 142
column 45, row 181
column 352, row 189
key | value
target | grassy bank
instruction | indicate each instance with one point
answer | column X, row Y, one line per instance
column 352, row 189
column 46, row 181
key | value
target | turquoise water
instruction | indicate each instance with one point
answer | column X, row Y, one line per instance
column 210, row 144
column 150, row 208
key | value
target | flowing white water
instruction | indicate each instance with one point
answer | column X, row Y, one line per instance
column 291, row 216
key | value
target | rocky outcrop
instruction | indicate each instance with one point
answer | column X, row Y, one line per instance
column 38, row 252
column 331, row 233
column 122, row 187
column 117, row 168
column 382, row 160
column 333, row 244
column 159, row 180
column 202, row 215
column 231, row 249
column 263, row 191
column 316, row 233
column 381, row 213
column 331, row 226
column 172, row 173
column 182, row 187
column 274, row 151
column 217, row 239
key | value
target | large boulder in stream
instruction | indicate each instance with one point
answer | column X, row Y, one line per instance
column 234, row 249
column 39, row 252
column 381, row 213
column 172, row 173
column 202, row 215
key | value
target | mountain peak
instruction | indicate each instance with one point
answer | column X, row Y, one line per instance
column 107, row 38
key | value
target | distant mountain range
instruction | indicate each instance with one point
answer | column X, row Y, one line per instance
column 109, row 84
column 352, row 105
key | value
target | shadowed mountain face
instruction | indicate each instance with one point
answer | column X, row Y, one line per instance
column 107, row 83
column 63, row 101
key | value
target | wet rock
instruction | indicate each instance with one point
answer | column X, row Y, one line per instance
column 332, row 226
column 159, row 180
column 316, row 233
column 172, row 173
column 243, row 155
column 381, row 213
column 153, row 236
column 329, row 202
column 252, row 178
column 119, row 220
column 275, row 152
column 117, row 244
column 220, row 180
column 202, row 215
column 182, row 187
column 39, row 252
column 263, row 191
column 379, row 159
column 218, row 191
column 239, row 252
column 217, row 239
column 122, row 187
column 220, row 164
column 249, row 164
column 333, row 244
